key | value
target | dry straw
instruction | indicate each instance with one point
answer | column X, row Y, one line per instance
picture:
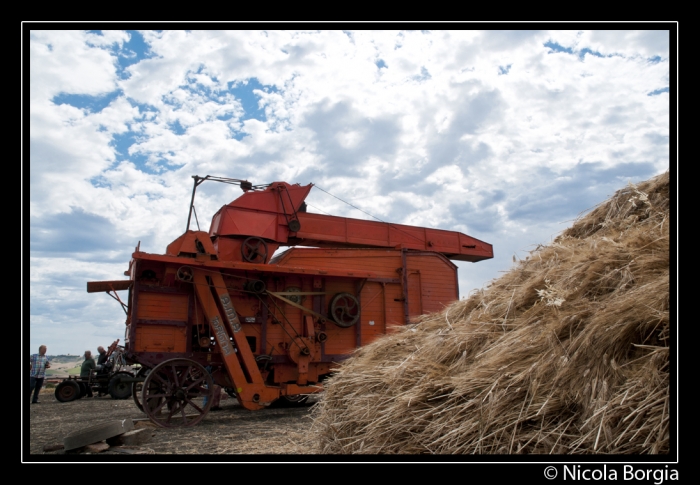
column 567, row 353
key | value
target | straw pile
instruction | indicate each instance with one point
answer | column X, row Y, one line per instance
column 567, row 353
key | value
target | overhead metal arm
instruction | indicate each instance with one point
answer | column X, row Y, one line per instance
column 244, row 184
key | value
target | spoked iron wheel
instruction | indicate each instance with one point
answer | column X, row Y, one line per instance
column 172, row 392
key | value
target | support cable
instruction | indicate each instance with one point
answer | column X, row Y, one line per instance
column 375, row 217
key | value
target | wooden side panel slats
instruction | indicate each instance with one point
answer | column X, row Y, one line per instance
column 162, row 306
column 373, row 303
column 161, row 338
column 432, row 283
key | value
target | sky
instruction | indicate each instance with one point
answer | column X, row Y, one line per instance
column 506, row 136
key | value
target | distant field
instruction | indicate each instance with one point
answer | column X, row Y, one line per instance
column 55, row 359
column 65, row 365
column 63, row 371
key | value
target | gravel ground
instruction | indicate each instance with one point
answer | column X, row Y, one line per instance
column 264, row 434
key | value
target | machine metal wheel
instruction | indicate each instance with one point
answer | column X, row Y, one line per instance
column 118, row 389
column 255, row 286
column 170, row 390
column 345, row 310
column 136, row 387
column 184, row 273
column 67, row 391
column 296, row 399
column 291, row 401
column 295, row 298
column 254, row 250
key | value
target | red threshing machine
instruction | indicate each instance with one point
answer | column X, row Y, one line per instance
column 219, row 308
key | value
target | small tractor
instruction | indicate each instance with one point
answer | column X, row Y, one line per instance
column 107, row 380
column 223, row 307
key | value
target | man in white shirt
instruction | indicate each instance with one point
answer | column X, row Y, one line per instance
column 37, row 371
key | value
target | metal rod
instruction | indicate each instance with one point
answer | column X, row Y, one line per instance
column 198, row 180
column 195, row 217
column 194, row 189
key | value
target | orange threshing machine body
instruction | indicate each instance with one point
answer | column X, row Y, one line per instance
column 272, row 326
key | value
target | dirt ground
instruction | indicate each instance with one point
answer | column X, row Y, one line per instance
column 232, row 430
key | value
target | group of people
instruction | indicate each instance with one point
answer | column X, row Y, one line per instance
column 40, row 362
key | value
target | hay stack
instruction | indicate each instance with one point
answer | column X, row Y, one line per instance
column 567, row 353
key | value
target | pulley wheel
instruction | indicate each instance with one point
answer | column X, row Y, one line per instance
column 184, row 273
column 254, row 250
column 294, row 298
column 255, row 286
column 345, row 310
column 294, row 225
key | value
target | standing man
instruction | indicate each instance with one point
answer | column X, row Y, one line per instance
column 86, row 369
column 37, row 371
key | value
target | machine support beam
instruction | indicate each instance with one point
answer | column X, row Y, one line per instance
column 252, row 395
column 234, row 324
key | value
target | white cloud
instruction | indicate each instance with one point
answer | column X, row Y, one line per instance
column 487, row 132
column 64, row 62
column 647, row 43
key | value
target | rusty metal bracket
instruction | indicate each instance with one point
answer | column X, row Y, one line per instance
column 116, row 297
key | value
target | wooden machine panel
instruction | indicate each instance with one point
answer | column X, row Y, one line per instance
column 162, row 306
column 161, row 338
column 383, row 262
column 432, row 283
column 158, row 314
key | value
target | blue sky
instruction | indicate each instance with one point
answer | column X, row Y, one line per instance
column 505, row 136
